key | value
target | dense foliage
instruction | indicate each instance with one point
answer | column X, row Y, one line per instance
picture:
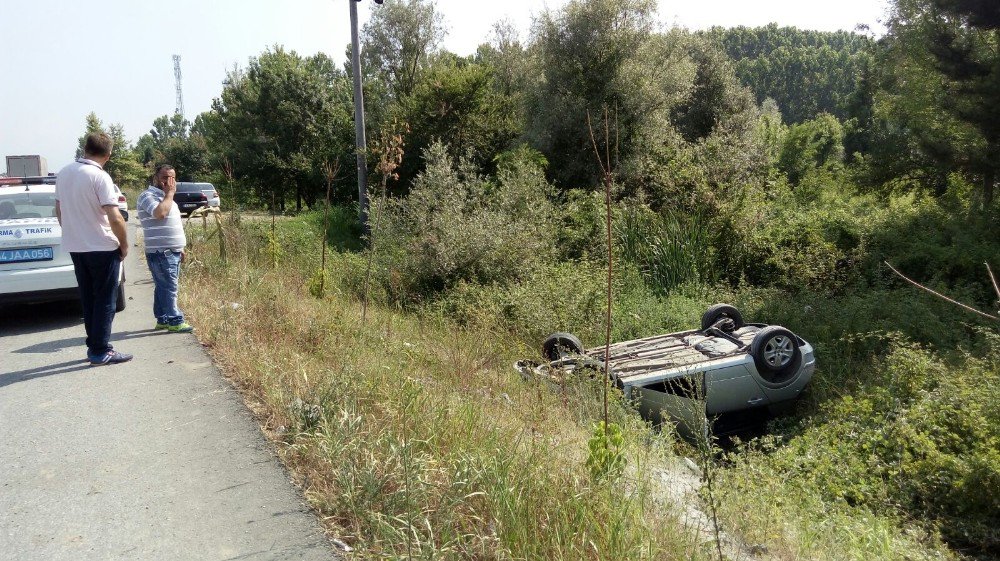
column 940, row 69
column 805, row 72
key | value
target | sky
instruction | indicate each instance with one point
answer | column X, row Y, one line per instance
column 62, row 60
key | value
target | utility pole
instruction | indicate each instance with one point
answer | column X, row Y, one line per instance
column 359, row 117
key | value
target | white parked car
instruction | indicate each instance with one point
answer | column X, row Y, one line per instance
column 122, row 203
column 213, row 196
column 33, row 266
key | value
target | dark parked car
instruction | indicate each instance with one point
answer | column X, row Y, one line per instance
column 191, row 196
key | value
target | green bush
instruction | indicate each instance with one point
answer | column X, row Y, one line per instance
column 606, row 457
column 813, row 237
column 558, row 297
column 813, row 144
column 919, row 440
column 457, row 226
column 941, row 243
column 582, row 233
column 343, row 231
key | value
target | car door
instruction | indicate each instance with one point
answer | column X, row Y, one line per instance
column 730, row 386
column 676, row 399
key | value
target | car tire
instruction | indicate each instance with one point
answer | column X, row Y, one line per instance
column 559, row 345
column 718, row 311
column 776, row 354
column 120, row 302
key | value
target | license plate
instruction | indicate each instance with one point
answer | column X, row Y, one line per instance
column 188, row 205
column 30, row 254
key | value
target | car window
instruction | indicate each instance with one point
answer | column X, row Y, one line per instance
column 27, row 205
column 189, row 187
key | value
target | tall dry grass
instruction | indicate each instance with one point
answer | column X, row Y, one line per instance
column 416, row 439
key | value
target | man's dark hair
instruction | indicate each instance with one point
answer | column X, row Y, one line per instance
column 98, row 144
column 162, row 167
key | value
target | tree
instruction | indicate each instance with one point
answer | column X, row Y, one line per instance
column 597, row 54
column 279, row 121
column 164, row 127
column 123, row 167
column 805, row 72
column 508, row 58
column 93, row 125
column 771, row 131
column 941, row 80
column 813, row 144
column 398, row 41
column 458, row 103
column 681, row 124
column 968, row 54
column 721, row 122
column 716, row 95
column 173, row 141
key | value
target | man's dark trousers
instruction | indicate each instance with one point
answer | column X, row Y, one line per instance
column 97, row 277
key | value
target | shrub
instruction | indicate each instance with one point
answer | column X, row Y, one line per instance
column 817, row 143
column 581, row 234
column 606, row 457
column 457, row 226
column 938, row 242
column 553, row 297
column 813, row 237
column 919, row 440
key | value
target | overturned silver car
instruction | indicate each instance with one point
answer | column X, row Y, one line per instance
column 727, row 368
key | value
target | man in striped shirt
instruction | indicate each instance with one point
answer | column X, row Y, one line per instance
column 165, row 242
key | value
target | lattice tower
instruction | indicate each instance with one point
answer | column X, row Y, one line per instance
column 177, row 78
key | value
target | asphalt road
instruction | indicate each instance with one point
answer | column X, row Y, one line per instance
column 153, row 459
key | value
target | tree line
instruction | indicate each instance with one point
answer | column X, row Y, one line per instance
column 693, row 115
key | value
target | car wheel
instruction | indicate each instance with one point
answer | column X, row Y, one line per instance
column 120, row 303
column 559, row 345
column 776, row 354
column 717, row 312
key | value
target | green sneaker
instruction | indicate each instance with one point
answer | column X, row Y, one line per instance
column 161, row 326
column 180, row 328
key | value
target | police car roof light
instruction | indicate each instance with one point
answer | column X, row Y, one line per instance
column 35, row 180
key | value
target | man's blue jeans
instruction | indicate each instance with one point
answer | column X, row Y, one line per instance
column 165, row 266
column 97, row 274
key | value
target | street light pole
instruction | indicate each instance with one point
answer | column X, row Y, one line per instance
column 359, row 119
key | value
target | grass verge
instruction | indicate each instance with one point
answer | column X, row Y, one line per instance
column 413, row 437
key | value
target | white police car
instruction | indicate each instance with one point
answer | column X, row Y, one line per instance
column 33, row 266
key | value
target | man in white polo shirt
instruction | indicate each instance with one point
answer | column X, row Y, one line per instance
column 165, row 242
column 93, row 232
